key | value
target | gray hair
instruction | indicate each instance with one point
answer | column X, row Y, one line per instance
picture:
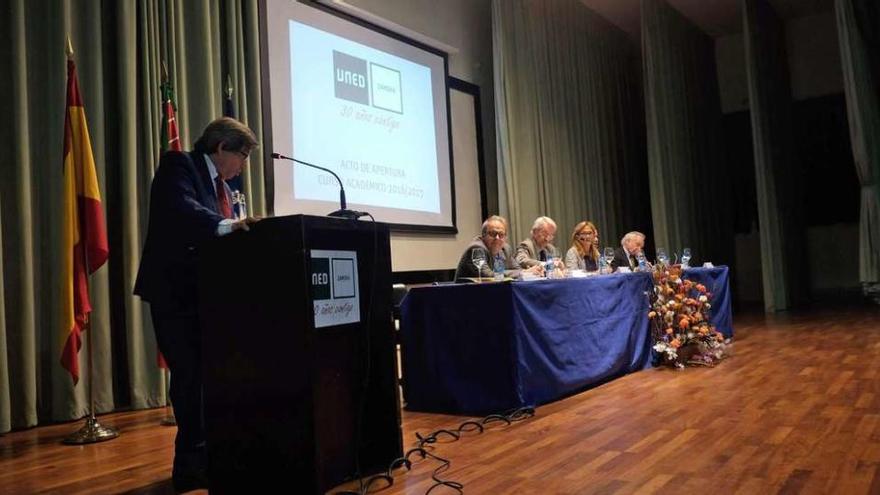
column 541, row 222
column 232, row 134
column 493, row 218
column 630, row 235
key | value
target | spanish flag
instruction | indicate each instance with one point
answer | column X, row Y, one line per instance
column 84, row 235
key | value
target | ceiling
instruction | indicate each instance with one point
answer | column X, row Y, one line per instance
column 715, row 17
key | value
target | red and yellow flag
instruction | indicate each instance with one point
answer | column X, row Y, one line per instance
column 84, row 235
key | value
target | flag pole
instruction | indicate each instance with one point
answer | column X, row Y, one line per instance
column 92, row 431
column 169, row 419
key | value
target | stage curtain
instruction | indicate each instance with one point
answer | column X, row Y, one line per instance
column 858, row 29
column 118, row 49
column 569, row 120
column 688, row 175
column 777, row 182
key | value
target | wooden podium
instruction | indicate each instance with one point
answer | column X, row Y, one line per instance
column 298, row 345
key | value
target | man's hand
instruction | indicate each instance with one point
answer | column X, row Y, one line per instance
column 536, row 270
column 245, row 224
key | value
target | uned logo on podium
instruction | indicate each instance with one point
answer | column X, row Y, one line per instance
column 334, row 279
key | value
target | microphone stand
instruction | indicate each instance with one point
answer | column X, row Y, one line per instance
column 343, row 211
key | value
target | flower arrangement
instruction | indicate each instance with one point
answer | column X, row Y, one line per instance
column 679, row 317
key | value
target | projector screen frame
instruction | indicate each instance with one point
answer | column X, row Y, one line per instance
column 269, row 166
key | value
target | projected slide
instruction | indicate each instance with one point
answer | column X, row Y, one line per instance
column 367, row 105
column 367, row 115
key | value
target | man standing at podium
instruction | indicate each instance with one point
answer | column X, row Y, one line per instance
column 189, row 204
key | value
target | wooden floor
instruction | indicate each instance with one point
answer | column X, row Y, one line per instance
column 796, row 409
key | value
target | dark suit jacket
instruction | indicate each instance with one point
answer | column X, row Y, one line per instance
column 466, row 268
column 620, row 259
column 183, row 215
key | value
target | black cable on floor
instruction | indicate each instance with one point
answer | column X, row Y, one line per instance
column 455, row 434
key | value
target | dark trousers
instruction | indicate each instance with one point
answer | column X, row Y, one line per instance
column 180, row 340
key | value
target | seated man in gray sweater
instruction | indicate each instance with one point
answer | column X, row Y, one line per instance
column 490, row 243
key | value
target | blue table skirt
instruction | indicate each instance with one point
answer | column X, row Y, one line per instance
column 481, row 348
column 716, row 280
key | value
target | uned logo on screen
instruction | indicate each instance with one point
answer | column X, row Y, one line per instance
column 367, row 83
column 350, row 78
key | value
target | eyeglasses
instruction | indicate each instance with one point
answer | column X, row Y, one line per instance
column 243, row 154
column 496, row 235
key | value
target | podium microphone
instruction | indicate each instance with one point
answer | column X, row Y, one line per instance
column 343, row 211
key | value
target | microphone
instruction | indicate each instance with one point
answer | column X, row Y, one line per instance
column 343, row 211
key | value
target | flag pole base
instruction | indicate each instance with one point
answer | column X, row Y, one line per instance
column 91, row 432
column 169, row 420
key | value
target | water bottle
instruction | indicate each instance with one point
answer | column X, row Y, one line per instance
column 499, row 267
column 643, row 263
column 602, row 265
column 239, row 206
column 549, row 267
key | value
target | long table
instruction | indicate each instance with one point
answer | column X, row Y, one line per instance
column 479, row 348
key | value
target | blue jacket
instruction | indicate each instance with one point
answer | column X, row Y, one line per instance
column 183, row 215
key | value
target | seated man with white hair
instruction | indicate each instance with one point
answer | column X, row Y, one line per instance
column 537, row 249
column 489, row 244
column 630, row 247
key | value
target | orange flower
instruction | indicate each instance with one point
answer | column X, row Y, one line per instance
column 701, row 287
column 698, row 316
column 684, row 323
column 669, row 331
column 652, row 314
column 675, row 344
column 679, row 297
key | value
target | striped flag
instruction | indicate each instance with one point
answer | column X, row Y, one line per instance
column 84, row 236
column 170, row 140
column 170, row 136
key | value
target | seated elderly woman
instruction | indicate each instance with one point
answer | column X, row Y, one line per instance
column 537, row 249
column 584, row 251
column 490, row 243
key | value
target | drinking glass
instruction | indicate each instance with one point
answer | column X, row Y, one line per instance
column 609, row 256
column 479, row 259
column 685, row 257
column 662, row 257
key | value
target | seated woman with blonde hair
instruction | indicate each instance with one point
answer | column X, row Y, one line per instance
column 584, row 251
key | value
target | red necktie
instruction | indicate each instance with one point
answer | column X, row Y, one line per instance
column 222, row 199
